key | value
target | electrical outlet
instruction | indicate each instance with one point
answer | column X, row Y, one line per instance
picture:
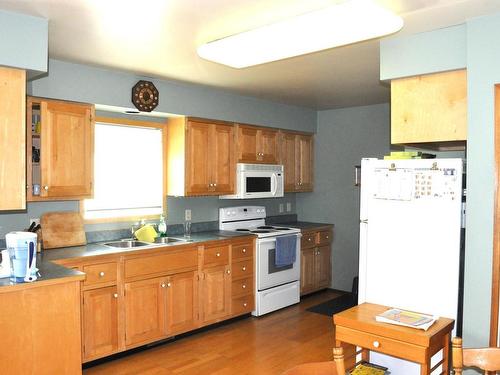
column 281, row 208
column 36, row 220
column 288, row 206
column 187, row 215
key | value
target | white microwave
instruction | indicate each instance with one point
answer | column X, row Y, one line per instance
column 257, row 181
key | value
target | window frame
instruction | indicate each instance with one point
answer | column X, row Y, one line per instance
column 143, row 124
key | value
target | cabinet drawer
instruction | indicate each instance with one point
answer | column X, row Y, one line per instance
column 216, row 255
column 396, row 348
column 99, row 273
column 184, row 260
column 242, row 250
column 242, row 305
column 242, row 269
column 324, row 237
column 307, row 240
column 242, row 287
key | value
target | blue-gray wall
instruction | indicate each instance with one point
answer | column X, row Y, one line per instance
column 343, row 137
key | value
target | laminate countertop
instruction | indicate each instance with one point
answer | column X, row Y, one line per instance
column 305, row 225
column 51, row 272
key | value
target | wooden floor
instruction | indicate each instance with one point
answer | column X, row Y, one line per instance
column 265, row 346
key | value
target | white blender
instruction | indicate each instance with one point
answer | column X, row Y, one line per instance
column 22, row 254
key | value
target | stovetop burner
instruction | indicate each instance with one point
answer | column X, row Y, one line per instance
column 265, row 227
column 261, row 231
column 242, row 230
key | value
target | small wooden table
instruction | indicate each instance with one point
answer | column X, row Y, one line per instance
column 357, row 326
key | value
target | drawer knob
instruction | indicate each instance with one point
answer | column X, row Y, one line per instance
column 169, row 285
column 244, row 250
column 46, row 187
column 228, row 272
column 243, row 268
column 327, row 237
column 217, row 255
column 163, row 285
column 115, row 295
column 376, row 344
column 245, row 304
column 309, row 239
column 101, row 274
column 244, row 286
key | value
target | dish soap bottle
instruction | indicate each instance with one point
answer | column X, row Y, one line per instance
column 162, row 226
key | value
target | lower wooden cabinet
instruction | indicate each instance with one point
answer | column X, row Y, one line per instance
column 315, row 260
column 145, row 311
column 216, row 293
column 100, row 322
column 182, row 302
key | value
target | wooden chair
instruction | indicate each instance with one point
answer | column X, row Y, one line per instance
column 487, row 359
column 335, row 367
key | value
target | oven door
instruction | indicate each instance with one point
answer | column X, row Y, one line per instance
column 259, row 184
column 268, row 275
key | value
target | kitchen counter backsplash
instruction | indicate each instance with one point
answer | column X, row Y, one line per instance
column 172, row 230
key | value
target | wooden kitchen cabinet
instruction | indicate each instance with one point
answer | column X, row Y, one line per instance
column 182, row 302
column 100, row 322
column 430, row 110
column 200, row 157
column 59, row 149
column 216, row 293
column 12, row 139
column 297, row 157
column 145, row 311
column 242, row 279
column 257, row 144
column 315, row 264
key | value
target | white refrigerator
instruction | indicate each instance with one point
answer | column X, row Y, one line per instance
column 409, row 257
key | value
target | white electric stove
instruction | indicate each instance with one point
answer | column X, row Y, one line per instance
column 276, row 287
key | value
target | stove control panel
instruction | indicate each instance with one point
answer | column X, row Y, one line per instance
column 241, row 213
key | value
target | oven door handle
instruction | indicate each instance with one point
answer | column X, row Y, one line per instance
column 273, row 239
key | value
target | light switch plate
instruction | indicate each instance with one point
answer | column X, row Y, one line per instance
column 288, row 206
column 281, row 208
column 187, row 214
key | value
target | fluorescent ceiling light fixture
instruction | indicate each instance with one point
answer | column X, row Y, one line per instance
column 338, row 25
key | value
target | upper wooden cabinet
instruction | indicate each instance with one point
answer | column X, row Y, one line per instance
column 200, row 157
column 60, row 150
column 296, row 155
column 257, row 144
column 12, row 139
column 429, row 108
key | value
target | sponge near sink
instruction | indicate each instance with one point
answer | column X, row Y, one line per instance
column 147, row 233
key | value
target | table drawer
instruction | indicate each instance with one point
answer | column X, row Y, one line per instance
column 242, row 269
column 242, row 250
column 308, row 240
column 100, row 273
column 216, row 255
column 381, row 344
column 242, row 287
column 324, row 237
column 242, row 305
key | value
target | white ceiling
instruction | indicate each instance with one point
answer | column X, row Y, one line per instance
column 158, row 38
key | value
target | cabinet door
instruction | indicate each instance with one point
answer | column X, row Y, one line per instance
column 197, row 158
column 182, row 302
column 100, row 322
column 304, row 162
column 247, row 144
column 216, row 293
column 307, row 268
column 429, row 108
column 222, row 158
column 287, row 156
column 322, row 266
column 145, row 309
column 12, row 139
column 268, row 146
column 67, row 138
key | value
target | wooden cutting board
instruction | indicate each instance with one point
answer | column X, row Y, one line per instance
column 62, row 229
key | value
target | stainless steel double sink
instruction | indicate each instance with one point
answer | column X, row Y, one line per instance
column 130, row 243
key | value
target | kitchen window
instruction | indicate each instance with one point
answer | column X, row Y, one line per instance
column 129, row 174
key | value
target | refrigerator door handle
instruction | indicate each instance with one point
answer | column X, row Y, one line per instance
column 357, row 172
column 363, row 221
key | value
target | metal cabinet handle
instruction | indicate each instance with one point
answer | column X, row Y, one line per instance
column 244, row 251
column 217, row 255
column 243, row 268
column 101, row 274
column 245, row 304
column 46, row 187
column 309, row 239
column 327, row 237
column 169, row 285
column 115, row 295
column 163, row 285
column 376, row 344
column 215, row 184
column 244, row 286
column 228, row 272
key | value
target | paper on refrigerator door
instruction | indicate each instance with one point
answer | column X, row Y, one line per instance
column 394, row 184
